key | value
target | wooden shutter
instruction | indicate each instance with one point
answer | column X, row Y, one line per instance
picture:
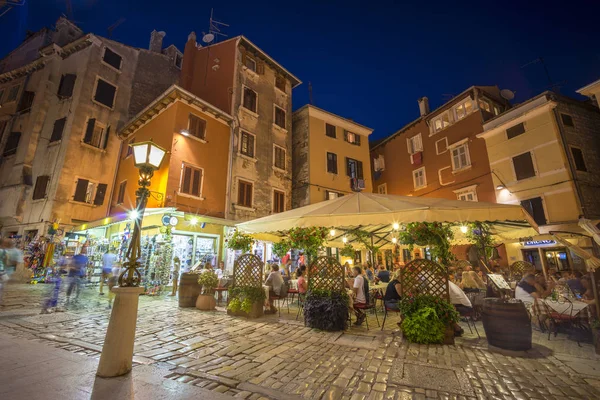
column 67, row 83
column 345, row 135
column 359, row 169
column 105, row 93
column 105, row 138
column 100, row 193
column 121, row 195
column 515, row 131
column 187, row 180
column 523, row 166
column 57, row 131
column 81, row 190
column 348, row 168
column 250, row 145
column 12, row 143
column 241, row 193
column 260, row 67
column 41, row 184
column 248, row 195
column 196, row 182
column 89, row 131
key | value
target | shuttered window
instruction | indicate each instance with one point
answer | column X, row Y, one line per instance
column 67, row 83
column 279, row 157
column 100, row 194
column 57, row 131
column 250, row 100
column 523, row 166
column 96, row 134
column 245, row 193
column 121, row 195
column 41, row 185
column 352, row 138
column 280, row 83
column 26, row 101
column 330, row 130
column 247, row 144
column 567, row 120
column 105, row 93
column 12, row 93
column 354, row 168
column 197, row 126
column 515, row 131
column 279, row 117
column 578, row 159
column 191, row 180
column 278, row 201
column 12, row 142
column 535, row 208
column 332, row 163
column 83, row 191
column 112, row 58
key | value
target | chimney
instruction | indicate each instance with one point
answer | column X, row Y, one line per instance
column 423, row 106
column 156, row 41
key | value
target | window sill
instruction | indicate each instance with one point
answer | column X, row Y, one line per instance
column 333, row 174
column 239, row 207
column 190, row 196
column 245, row 157
column 420, row 188
column 280, row 91
column 103, row 105
column 277, row 169
column 463, row 169
column 250, row 72
column 55, row 143
column 82, row 203
column 39, row 200
column 8, row 157
column 89, row 146
column 203, row 141
column 280, row 129
column 111, row 67
column 248, row 111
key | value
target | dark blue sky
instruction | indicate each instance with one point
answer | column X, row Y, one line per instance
column 368, row 60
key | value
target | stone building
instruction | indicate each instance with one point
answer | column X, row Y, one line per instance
column 330, row 156
column 239, row 78
column 64, row 94
column 545, row 155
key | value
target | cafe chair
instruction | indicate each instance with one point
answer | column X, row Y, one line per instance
column 283, row 297
column 293, row 292
column 220, row 291
column 386, row 311
column 468, row 317
column 366, row 308
column 301, row 299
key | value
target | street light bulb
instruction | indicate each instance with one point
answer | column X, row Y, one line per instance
column 193, row 221
column 500, row 187
column 464, row 229
column 332, row 232
column 394, row 240
column 396, row 226
column 345, row 239
column 134, row 214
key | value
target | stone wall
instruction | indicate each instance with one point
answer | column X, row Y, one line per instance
column 300, row 163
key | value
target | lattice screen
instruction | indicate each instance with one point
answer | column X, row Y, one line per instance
column 248, row 271
column 519, row 267
column 422, row 276
column 326, row 273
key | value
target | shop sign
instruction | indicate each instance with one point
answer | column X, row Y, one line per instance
column 539, row 242
column 169, row 220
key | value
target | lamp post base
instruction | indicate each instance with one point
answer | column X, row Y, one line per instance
column 117, row 352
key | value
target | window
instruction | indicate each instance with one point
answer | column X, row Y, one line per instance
column 89, row 192
column 279, row 157
column 330, row 130
column 41, row 184
column 414, row 144
column 463, row 109
column 278, row 201
column 332, row 163
column 245, row 194
column 354, row 168
column 26, row 101
column 279, row 117
column 382, row 189
column 249, row 100
column 197, row 126
column 497, row 110
column 460, row 157
column 379, row 163
column 535, row 208
column 280, row 83
column 178, row 60
column 352, row 138
column 578, row 159
column 329, row 195
column 67, row 83
column 121, row 194
column 467, row 193
column 250, row 63
column 419, row 178
column 567, row 120
column 485, row 105
column 441, row 146
column 12, row 142
column 96, row 134
column 523, row 166
column 129, row 147
column 515, row 131
column 247, row 144
column 440, row 122
column 57, row 131
column 112, row 58
column 191, row 180
column 12, row 93
column 105, row 93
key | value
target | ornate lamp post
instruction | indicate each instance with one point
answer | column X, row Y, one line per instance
column 117, row 352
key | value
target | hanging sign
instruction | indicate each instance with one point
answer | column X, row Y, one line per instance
column 539, row 242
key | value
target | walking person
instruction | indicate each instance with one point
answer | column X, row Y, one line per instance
column 76, row 272
column 112, row 282
column 108, row 259
column 3, row 268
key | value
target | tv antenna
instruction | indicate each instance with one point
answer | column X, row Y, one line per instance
column 7, row 5
column 111, row 28
column 310, row 94
column 214, row 29
column 551, row 85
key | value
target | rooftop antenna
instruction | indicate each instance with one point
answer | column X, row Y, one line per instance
column 69, row 9
column 111, row 28
column 551, row 85
column 310, row 94
column 7, row 5
column 214, row 29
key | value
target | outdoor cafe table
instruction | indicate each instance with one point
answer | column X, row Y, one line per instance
column 379, row 286
column 561, row 306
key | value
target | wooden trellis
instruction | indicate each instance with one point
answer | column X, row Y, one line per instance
column 422, row 276
column 248, row 271
column 517, row 269
column 326, row 273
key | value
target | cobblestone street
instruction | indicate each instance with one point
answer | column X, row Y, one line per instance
column 279, row 358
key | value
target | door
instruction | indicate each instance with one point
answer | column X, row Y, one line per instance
column 533, row 256
column 557, row 258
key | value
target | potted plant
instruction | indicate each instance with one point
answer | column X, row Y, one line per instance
column 280, row 249
column 428, row 319
column 246, row 301
column 240, row 241
column 206, row 300
column 433, row 234
column 308, row 239
column 326, row 310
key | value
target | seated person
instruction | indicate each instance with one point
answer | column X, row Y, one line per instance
column 360, row 297
column 370, row 273
column 588, row 291
column 526, row 290
column 471, row 282
column 575, row 284
column 391, row 298
column 274, row 282
column 302, row 283
column 461, row 302
column 383, row 275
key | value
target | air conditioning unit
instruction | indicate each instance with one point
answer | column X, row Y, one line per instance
column 357, row 184
column 416, row 158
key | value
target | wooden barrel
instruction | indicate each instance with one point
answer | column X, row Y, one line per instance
column 506, row 325
column 189, row 289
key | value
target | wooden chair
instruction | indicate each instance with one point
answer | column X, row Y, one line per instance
column 468, row 316
column 220, row 291
column 386, row 311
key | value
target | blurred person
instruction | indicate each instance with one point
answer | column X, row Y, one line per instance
column 113, row 281
column 393, row 292
column 220, row 271
column 274, row 281
column 348, row 269
column 176, row 269
column 302, row 282
column 574, row 283
column 370, row 273
column 108, row 259
column 461, row 302
column 383, row 275
column 301, row 259
column 527, row 291
column 360, row 295
column 76, row 271
column 4, row 274
column 471, row 282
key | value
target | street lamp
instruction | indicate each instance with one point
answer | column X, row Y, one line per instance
column 147, row 157
column 117, row 352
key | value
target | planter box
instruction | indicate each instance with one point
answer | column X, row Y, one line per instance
column 257, row 311
column 189, row 289
column 206, row 302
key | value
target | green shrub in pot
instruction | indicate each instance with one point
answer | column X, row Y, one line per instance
column 326, row 310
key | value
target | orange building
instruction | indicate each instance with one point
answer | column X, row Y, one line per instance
column 438, row 154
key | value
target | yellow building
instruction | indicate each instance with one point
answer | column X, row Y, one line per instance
column 330, row 156
column 543, row 156
column 592, row 91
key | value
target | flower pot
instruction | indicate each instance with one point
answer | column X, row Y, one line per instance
column 449, row 335
column 206, row 302
column 257, row 311
column 189, row 289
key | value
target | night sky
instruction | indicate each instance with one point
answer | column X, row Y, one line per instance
column 371, row 60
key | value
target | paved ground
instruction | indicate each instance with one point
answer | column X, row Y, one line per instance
column 279, row 358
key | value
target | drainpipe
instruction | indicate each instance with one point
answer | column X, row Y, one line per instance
column 232, row 126
column 114, row 182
